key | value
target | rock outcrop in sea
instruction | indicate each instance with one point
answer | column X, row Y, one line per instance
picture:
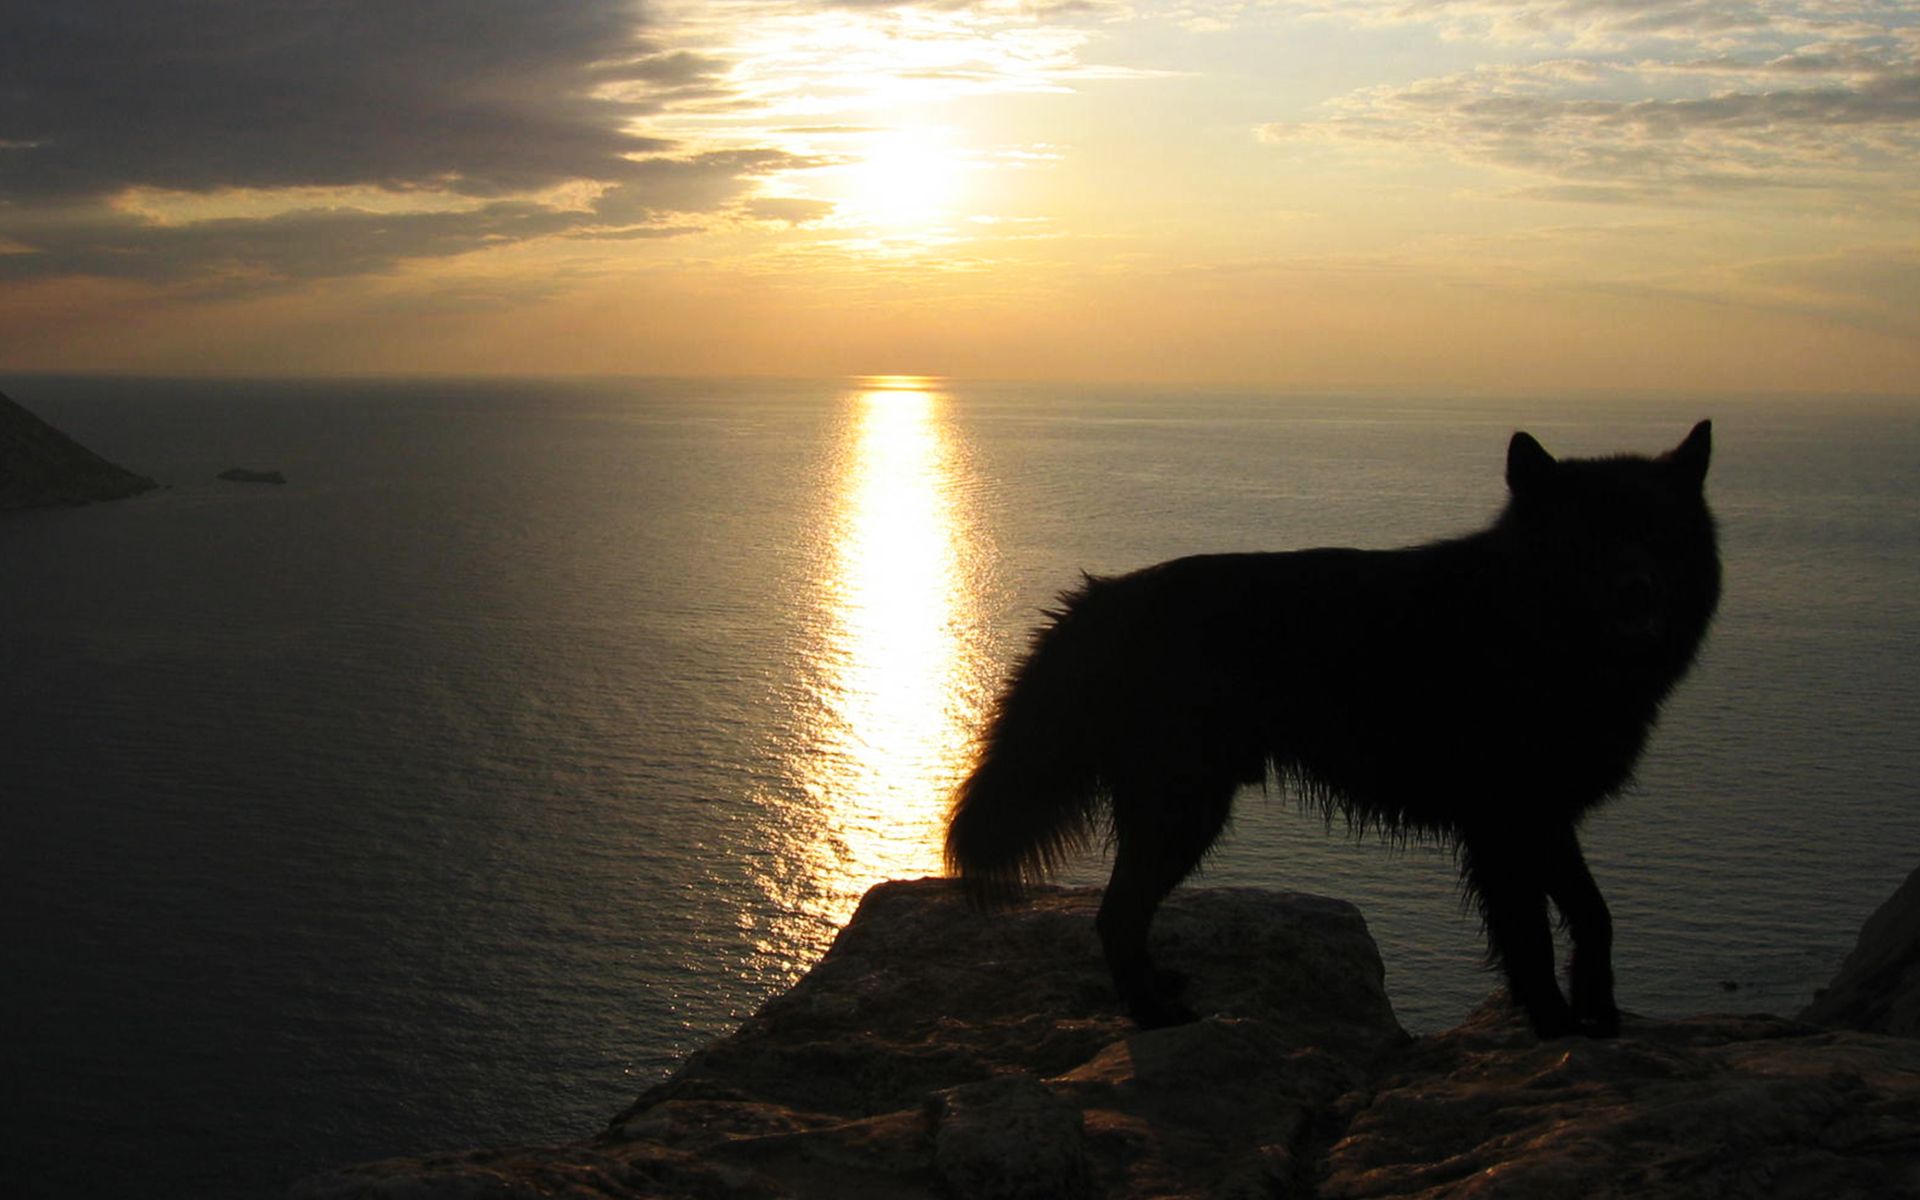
column 40, row 466
column 939, row 1052
column 1878, row 987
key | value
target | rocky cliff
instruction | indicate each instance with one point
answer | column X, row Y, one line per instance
column 936, row 1052
column 41, row 466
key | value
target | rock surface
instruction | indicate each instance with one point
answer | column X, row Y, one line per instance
column 938, row 1052
column 40, row 466
column 1710, row 1106
column 1878, row 988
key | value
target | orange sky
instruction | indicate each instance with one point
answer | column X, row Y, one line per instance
column 1489, row 194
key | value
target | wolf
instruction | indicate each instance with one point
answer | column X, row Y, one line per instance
column 1485, row 691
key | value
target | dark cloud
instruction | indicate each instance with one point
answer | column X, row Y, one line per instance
column 474, row 107
column 681, row 69
column 299, row 245
column 486, row 97
column 236, row 253
column 702, row 183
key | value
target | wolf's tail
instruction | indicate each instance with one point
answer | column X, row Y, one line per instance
column 1035, row 792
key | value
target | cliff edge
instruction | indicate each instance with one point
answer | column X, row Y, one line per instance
column 40, row 466
column 937, row 1052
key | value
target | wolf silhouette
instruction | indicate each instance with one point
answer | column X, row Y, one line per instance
column 1487, row 691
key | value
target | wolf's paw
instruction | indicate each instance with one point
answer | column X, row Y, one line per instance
column 1169, row 982
column 1551, row 1018
column 1161, row 1005
column 1158, row 1012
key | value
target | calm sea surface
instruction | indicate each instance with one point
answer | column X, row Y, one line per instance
column 535, row 733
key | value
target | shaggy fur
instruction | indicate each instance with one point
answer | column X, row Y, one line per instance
column 1487, row 690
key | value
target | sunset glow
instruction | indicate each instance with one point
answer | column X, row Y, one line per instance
column 1528, row 194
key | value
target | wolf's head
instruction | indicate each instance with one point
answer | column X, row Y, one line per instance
column 1625, row 545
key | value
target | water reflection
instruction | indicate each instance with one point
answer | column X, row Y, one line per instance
column 902, row 685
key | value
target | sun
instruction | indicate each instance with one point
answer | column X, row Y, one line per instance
column 903, row 180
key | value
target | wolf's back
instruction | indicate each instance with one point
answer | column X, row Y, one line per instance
column 1035, row 789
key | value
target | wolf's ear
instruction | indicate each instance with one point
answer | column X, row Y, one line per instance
column 1528, row 462
column 1690, row 457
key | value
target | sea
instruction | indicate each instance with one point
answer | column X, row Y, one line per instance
column 535, row 732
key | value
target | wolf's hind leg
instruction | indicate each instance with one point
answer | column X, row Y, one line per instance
column 1590, row 970
column 1159, row 839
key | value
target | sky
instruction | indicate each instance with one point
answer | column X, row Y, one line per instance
column 1668, row 195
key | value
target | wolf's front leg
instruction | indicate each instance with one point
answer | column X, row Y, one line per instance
column 1513, row 903
column 1590, row 970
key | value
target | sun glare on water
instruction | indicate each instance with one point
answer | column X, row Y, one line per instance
column 904, row 692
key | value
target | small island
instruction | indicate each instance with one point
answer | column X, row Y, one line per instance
column 242, row 475
column 41, row 467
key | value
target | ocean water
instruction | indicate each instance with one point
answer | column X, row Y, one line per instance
column 537, row 731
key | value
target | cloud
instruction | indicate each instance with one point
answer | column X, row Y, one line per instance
column 1589, row 24
column 228, row 254
column 789, row 210
column 1648, row 129
column 302, row 244
column 484, row 97
column 480, row 111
